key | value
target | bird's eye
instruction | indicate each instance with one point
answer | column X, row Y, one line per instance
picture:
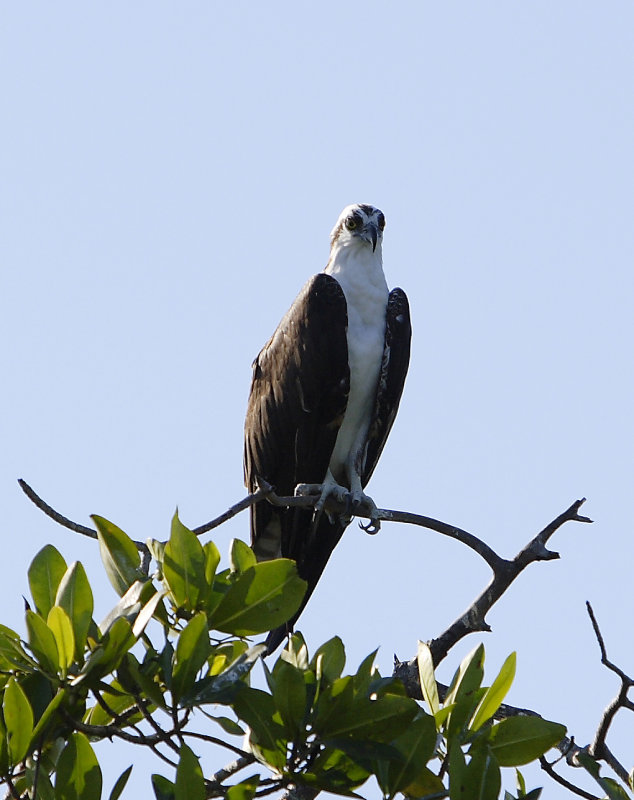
column 381, row 222
column 351, row 223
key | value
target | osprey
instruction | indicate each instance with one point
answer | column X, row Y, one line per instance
column 324, row 395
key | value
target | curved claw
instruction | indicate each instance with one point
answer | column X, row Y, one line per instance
column 373, row 526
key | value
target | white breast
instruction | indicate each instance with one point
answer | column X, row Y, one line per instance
column 360, row 274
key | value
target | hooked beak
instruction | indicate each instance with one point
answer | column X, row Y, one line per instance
column 371, row 234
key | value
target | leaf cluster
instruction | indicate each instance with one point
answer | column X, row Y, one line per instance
column 176, row 643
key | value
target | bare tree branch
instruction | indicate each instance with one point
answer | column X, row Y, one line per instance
column 550, row 770
column 599, row 748
column 504, row 573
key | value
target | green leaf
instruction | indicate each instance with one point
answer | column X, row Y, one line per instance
column 416, row 744
column 221, row 687
column 184, row 567
column 244, row 790
column 465, row 692
column 331, row 704
column 119, row 786
column 48, row 714
column 468, row 676
column 457, row 773
column 289, row 695
column 329, row 660
column 118, row 702
column 263, row 597
column 212, row 559
column 190, row 784
column 119, row 555
column 59, row 622
column 427, row 678
column 241, row 557
column 612, row 789
column 112, row 648
column 296, row 652
column 18, row 719
column 42, row 642
column 149, row 610
column 482, row 775
column 381, row 719
column 192, row 651
column 257, row 709
column 128, row 606
column 12, row 654
column 45, row 573
column 229, row 726
column 519, row 740
column 163, row 788
column 494, row 696
column 78, row 772
column 365, row 674
column 75, row 597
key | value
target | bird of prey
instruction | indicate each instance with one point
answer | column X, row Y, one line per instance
column 324, row 395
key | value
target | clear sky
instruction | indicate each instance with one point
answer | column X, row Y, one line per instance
column 169, row 175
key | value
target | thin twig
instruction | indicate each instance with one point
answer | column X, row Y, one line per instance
column 62, row 520
column 549, row 770
column 599, row 748
column 504, row 573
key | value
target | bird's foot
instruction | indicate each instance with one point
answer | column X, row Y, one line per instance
column 328, row 490
column 354, row 500
column 363, row 502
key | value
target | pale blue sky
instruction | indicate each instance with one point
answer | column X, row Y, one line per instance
column 169, row 175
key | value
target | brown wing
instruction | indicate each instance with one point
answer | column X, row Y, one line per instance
column 298, row 398
column 398, row 335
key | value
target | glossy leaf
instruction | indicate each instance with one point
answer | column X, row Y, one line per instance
column 49, row 714
column 329, row 660
column 74, row 595
column 18, row 720
column 163, row 788
column 241, row 557
column 119, row 555
column 114, row 645
column 119, row 786
column 192, row 651
column 184, row 567
column 494, row 696
column 427, row 678
column 416, row 745
column 221, row 688
column 42, row 642
column 148, row 611
column 78, row 772
column 263, row 597
column 257, row 709
column 11, row 651
column 518, row 740
column 45, row 573
column 482, row 776
column 59, row 622
column 118, row 702
column 229, row 726
column 244, row 790
column 289, row 695
column 381, row 719
column 190, row 784
column 468, row 676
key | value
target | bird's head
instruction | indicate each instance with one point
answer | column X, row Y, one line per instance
column 358, row 224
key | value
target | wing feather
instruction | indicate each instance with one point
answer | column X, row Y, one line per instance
column 298, row 398
column 398, row 335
